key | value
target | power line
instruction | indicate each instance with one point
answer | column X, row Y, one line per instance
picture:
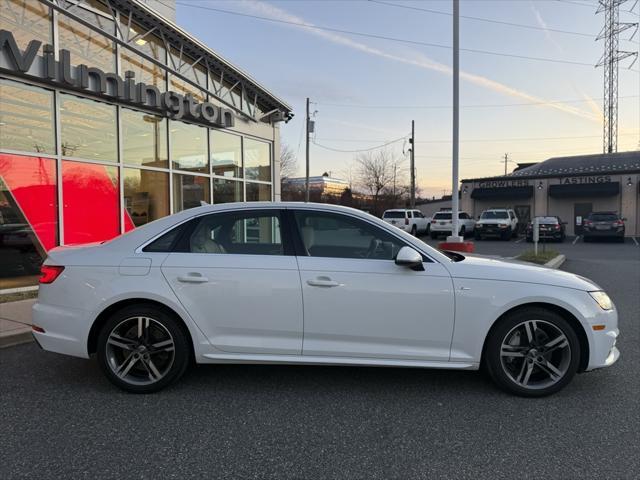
column 361, row 150
column 481, row 19
column 392, row 39
column 497, row 105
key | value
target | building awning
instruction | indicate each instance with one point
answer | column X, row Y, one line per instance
column 606, row 189
column 502, row 192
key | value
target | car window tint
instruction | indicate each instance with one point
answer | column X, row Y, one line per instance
column 240, row 233
column 393, row 215
column 166, row 242
column 341, row 236
column 442, row 216
column 603, row 217
column 410, row 214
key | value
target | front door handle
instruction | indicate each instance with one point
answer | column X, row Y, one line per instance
column 323, row 282
column 193, row 277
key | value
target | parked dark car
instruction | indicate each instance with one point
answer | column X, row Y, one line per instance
column 603, row 224
column 551, row 228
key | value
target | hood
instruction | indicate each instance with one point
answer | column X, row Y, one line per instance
column 515, row 271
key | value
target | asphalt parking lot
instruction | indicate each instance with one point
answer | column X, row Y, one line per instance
column 61, row 419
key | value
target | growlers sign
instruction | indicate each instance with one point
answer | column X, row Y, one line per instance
column 109, row 85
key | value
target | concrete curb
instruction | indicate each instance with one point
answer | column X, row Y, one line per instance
column 556, row 262
column 17, row 338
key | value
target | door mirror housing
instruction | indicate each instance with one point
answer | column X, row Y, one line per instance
column 408, row 257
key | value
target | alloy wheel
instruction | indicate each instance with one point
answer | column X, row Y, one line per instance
column 535, row 354
column 140, row 350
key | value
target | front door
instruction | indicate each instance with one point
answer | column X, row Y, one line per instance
column 359, row 303
column 236, row 275
column 580, row 212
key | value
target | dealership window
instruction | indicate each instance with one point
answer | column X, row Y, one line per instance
column 144, row 139
column 182, row 63
column 26, row 20
column 226, row 191
column 93, row 11
column 136, row 37
column 91, row 202
column 258, row 192
column 257, row 160
column 88, row 129
column 86, row 45
column 26, row 118
column 145, row 70
column 226, row 154
column 189, row 147
column 146, row 195
column 183, row 87
column 28, row 217
column 189, row 191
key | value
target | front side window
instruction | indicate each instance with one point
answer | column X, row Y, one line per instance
column 240, row 233
column 340, row 236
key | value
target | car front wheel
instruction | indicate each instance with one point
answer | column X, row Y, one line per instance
column 143, row 349
column 532, row 352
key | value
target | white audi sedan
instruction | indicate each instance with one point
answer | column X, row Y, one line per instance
column 304, row 283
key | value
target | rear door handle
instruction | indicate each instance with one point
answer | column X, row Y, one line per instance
column 193, row 278
column 323, row 282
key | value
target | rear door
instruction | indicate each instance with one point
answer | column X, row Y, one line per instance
column 236, row 275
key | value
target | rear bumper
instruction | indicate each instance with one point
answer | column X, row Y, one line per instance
column 603, row 233
column 66, row 329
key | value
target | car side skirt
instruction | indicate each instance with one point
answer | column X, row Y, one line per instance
column 319, row 360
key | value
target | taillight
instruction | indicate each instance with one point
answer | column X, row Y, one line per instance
column 48, row 273
column 587, row 222
column 618, row 223
column 433, row 221
column 406, row 221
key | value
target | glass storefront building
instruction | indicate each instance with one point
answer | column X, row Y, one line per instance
column 111, row 117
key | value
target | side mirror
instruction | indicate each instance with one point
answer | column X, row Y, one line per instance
column 408, row 257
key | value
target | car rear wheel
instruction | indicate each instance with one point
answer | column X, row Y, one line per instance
column 414, row 231
column 142, row 349
column 532, row 352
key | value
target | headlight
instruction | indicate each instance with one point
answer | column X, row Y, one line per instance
column 603, row 299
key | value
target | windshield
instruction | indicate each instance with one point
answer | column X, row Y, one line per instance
column 442, row 216
column 492, row 215
column 603, row 217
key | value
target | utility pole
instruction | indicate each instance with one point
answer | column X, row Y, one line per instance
column 506, row 160
column 306, row 182
column 413, row 165
column 455, row 229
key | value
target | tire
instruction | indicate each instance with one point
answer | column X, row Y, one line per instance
column 147, row 363
column 519, row 365
column 414, row 231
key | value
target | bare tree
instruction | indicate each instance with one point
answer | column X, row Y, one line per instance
column 288, row 162
column 375, row 172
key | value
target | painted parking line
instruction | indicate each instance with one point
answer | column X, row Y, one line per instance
column 520, row 240
column 635, row 241
column 576, row 239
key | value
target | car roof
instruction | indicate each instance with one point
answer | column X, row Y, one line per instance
column 399, row 210
column 604, row 213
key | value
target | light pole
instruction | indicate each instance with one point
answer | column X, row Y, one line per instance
column 456, row 123
column 306, row 182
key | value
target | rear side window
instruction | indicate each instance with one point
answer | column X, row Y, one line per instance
column 393, row 215
column 442, row 216
column 167, row 241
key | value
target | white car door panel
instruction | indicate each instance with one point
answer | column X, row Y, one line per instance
column 376, row 309
column 244, row 303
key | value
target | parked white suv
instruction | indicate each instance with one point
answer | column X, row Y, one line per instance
column 411, row 221
column 441, row 224
column 497, row 222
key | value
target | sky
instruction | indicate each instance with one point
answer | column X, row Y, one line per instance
column 366, row 91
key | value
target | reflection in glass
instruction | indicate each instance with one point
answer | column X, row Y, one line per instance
column 88, row 128
column 225, row 191
column 189, row 147
column 189, row 191
column 182, row 63
column 144, row 139
column 86, row 45
column 257, row 160
column 226, row 154
column 148, row 44
column 28, row 217
column 26, row 118
column 91, row 202
column 183, row 88
column 258, row 192
column 146, row 195
column 93, row 11
column 145, row 70
column 27, row 20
